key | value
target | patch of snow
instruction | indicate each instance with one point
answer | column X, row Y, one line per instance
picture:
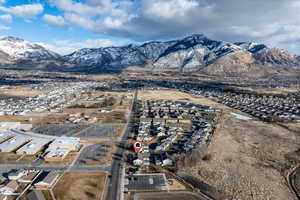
column 241, row 117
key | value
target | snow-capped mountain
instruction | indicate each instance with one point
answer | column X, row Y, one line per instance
column 193, row 53
column 16, row 48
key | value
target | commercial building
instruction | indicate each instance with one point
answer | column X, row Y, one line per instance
column 46, row 180
column 5, row 135
column 56, row 154
column 71, row 143
column 33, row 147
column 13, row 143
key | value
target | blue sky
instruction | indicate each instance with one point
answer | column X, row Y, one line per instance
column 66, row 25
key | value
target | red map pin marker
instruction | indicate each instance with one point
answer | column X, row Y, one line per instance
column 137, row 147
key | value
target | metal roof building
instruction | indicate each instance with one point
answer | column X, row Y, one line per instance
column 34, row 146
column 13, row 143
column 71, row 143
column 5, row 135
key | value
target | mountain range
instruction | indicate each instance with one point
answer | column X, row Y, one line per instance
column 195, row 53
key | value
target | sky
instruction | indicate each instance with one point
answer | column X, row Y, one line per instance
column 66, row 25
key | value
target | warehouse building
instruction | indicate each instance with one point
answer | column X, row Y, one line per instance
column 5, row 135
column 13, row 143
column 46, row 180
column 71, row 143
column 33, row 147
column 56, row 154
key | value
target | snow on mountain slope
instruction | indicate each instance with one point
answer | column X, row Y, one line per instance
column 17, row 48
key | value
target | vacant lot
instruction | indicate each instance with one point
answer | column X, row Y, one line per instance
column 247, row 159
column 80, row 186
column 174, row 95
column 97, row 154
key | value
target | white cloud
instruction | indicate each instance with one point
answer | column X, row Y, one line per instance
column 268, row 21
column 64, row 47
column 170, row 8
column 81, row 8
column 6, row 18
column 25, row 11
column 2, row 1
column 54, row 20
column 82, row 21
column 4, row 28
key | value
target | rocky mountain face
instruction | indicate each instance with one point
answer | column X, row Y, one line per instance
column 21, row 53
column 195, row 53
column 17, row 48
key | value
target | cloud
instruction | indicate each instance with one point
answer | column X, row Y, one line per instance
column 64, row 47
column 273, row 22
column 4, row 28
column 6, row 18
column 170, row 8
column 54, row 20
column 2, row 1
column 25, row 11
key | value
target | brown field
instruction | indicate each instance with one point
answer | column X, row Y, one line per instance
column 80, row 186
column 270, row 90
column 28, row 158
column 7, row 157
column 24, row 119
column 174, row 95
column 248, row 160
column 20, row 91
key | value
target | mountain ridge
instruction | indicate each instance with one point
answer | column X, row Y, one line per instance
column 195, row 53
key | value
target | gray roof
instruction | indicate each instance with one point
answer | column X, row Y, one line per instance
column 35, row 195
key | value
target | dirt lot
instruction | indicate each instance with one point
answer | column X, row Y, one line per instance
column 80, row 186
column 247, row 159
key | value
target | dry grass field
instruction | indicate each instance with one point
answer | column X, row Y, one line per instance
column 80, row 186
column 20, row 91
column 248, row 160
column 7, row 157
column 174, row 95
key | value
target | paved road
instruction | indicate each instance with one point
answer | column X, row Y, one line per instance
column 113, row 191
column 58, row 168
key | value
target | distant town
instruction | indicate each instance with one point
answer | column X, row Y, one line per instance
column 70, row 136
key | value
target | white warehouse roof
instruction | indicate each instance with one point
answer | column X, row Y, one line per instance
column 33, row 146
column 65, row 142
column 13, row 143
column 5, row 135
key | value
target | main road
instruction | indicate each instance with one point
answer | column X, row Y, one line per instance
column 114, row 182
